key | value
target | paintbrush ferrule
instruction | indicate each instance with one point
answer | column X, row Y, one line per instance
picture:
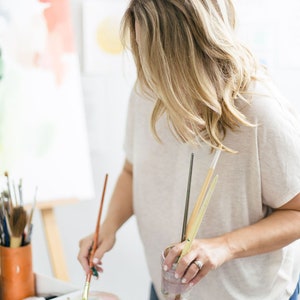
column 86, row 289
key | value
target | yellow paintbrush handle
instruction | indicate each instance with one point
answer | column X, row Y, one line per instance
column 199, row 202
column 203, row 192
column 195, row 227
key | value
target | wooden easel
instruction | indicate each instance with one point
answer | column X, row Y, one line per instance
column 53, row 239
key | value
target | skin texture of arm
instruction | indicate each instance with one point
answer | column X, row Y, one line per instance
column 271, row 233
column 119, row 211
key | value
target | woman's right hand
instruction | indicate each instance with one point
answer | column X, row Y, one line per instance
column 119, row 211
column 106, row 240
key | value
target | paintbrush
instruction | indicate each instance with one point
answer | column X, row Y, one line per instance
column 6, row 230
column 16, row 196
column 17, row 223
column 2, row 220
column 86, row 289
column 8, row 190
column 203, row 191
column 187, row 199
column 5, row 196
column 195, row 226
column 20, row 189
column 186, row 208
column 29, row 221
column 199, row 209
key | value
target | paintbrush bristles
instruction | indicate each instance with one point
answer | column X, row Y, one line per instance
column 17, row 224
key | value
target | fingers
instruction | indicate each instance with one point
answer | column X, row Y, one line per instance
column 105, row 244
column 186, row 268
column 97, row 265
column 193, row 266
column 202, row 273
column 191, row 269
column 172, row 254
column 85, row 245
column 190, row 273
column 102, row 248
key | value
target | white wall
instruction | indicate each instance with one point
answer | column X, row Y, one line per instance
column 271, row 29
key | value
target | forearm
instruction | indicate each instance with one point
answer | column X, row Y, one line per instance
column 269, row 234
column 120, row 208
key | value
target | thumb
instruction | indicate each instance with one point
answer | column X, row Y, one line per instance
column 104, row 247
column 98, row 254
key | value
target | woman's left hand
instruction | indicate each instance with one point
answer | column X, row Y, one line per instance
column 205, row 255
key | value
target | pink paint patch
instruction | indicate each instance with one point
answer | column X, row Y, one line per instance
column 60, row 37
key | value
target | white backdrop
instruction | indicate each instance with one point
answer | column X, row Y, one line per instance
column 272, row 30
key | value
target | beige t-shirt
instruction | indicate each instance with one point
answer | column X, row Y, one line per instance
column 264, row 174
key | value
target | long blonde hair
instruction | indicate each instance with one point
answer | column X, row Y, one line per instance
column 189, row 58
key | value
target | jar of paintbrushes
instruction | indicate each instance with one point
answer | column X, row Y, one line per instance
column 16, row 271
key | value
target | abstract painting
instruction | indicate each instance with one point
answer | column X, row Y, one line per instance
column 43, row 135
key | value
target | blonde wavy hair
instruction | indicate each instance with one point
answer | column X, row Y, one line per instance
column 188, row 56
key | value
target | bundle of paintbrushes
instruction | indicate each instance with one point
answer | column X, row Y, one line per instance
column 201, row 205
column 15, row 221
column 191, row 228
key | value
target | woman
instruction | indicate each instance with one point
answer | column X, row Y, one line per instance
column 199, row 89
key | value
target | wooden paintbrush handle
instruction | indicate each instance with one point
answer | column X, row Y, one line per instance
column 15, row 241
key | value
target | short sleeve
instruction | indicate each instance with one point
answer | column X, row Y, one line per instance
column 279, row 151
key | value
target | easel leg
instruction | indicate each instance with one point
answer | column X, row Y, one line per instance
column 55, row 248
